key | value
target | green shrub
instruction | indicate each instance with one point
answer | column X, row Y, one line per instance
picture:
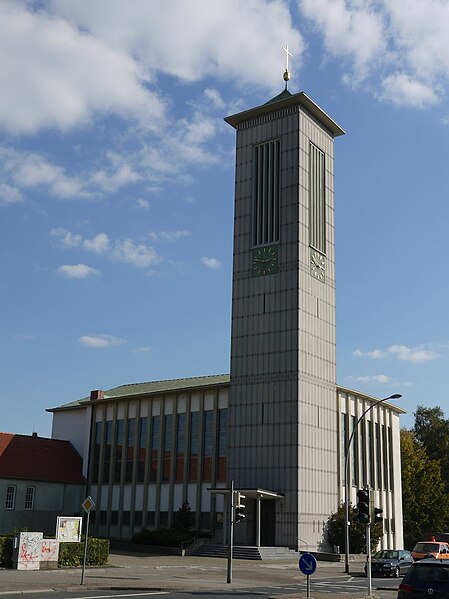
column 6, row 551
column 72, row 554
column 163, row 537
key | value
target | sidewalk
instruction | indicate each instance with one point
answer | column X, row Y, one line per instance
column 154, row 573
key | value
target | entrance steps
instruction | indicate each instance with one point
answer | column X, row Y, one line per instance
column 246, row 552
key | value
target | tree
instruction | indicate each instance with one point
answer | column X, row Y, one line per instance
column 424, row 498
column 432, row 432
column 335, row 530
column 184, row 519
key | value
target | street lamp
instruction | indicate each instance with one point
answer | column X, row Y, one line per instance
column 394, row 396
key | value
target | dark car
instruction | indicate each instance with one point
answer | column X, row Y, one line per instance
column 390, row 562
column 426, row 578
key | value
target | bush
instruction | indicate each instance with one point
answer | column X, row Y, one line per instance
column 6, row 551
column 163, row 537
column 335, row 531
column 72, row 554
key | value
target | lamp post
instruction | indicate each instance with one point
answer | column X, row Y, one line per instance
column 394, row 396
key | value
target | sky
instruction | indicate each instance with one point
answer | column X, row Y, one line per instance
column 117, row 188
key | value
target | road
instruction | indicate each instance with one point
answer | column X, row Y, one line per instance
column 355, row 586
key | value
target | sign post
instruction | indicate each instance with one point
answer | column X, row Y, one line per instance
column 87, row 505
column 307, row 565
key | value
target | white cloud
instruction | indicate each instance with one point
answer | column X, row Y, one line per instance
column 66, row 238
column 407, row 354
column 120, row 250
column 169, row 236
column 375, row 353
column 25, row 170
column 144, row 350
column 213, row 95
column 418, row 354
column 143, row 204
column 157, row 36
column 351, row 29
column 83, row 74
column 402, row 90
column 77, row 271
column 211, row 262
column 139, row 255
column 101, row 341
column 10, row 194
column 98, row 244
column 376, row 378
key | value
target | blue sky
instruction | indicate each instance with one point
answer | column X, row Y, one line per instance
column 117, row 178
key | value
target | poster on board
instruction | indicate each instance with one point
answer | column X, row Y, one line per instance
column 68, row 529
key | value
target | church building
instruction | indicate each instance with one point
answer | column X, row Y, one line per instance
column 278, row 425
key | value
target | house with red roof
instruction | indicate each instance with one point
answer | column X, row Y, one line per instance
column 40, row 479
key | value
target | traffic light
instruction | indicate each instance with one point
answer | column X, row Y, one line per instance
column 363, row 506
column 239, row 508
column 378, row 515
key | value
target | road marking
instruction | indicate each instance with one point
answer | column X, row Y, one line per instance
column 125, row 595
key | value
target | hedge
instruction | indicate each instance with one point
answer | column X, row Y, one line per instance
column 70, row 554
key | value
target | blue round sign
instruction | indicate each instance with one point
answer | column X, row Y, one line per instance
column 307, row 564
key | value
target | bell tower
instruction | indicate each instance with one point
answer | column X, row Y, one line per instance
column 282, row 406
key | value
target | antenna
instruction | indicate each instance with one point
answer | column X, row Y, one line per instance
column 286, row 72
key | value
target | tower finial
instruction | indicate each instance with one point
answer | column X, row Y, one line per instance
column 286, row 72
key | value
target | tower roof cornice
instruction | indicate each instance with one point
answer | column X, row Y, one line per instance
column 287, row 100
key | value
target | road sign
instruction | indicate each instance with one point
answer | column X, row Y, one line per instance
column 307, row 564
column 88, row 504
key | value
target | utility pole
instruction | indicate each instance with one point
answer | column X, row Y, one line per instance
column 231, row 532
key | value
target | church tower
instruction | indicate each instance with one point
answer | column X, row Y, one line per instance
column 283, row 429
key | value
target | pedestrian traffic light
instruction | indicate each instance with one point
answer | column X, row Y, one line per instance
column 239, row 508
column 363, row 506
column 378, row 515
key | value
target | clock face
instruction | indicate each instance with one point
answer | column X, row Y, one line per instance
column 317, row 265
column 265, row 260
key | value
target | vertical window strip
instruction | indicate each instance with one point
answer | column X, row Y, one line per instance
column 168, row 436
column 317, row 216
column 222, row 444
column 155, row 434
column 266, row 193
column 142, row 454
column 29, row 498
column 130, row 449
column 180, row 447
column 10, row 497
column 119, row 438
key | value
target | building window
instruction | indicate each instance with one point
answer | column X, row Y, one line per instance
column 208, row 445
column 10, row 497
column 130, row 448
column 266, row 193
column 107, row 451
column 142, row 450
column 29, row 498
column 194, row 445
column 168, row 436
column 119, row 438
column 222, row 444
column 317, row 216
column 97, row 448
column 180, row 447
column 156, row 426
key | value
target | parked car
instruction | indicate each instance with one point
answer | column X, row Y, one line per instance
column 426, row 578
column 436, row 549
column 390, row 562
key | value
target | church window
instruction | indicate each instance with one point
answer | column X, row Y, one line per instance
column 317, row 216
column 142, row 453
column 29, row 498
column 10, row 497
column 119, row 438
column 194, row 446
column 168, row 435
column 222, row 444
column 97, row 448
column 266, row 193
column 130, row 447
column 107, row 451
column 155, row 432
column 180, row 446
column 207, row 444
